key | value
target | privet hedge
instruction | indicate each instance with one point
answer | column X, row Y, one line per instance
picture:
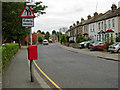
column 8, row 51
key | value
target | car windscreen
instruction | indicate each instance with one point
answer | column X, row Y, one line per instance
column 44, row 41
column 115, row 44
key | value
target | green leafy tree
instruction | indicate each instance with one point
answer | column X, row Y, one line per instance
column 42, row 32
column 53, row 32
column 47, row 35
column 58, row 35
column 12, row 29
column 39, row 31
column 63, row 38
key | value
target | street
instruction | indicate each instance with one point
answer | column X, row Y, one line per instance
column 73, row 70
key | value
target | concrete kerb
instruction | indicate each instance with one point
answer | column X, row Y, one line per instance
column 98, row 54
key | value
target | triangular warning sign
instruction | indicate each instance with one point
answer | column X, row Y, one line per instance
column 27, row 13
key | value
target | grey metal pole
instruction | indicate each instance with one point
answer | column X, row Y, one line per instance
column 30, row 36
column 31, row 61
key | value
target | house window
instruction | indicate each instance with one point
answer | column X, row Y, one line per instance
column 93, row 27
column 102, row 25
column 109, row 24
column 113, row 23
column 99, row 26
column 105, row 25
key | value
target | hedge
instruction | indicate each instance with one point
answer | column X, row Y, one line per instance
column 8, row 51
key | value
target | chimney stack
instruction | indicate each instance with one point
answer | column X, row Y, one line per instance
column 114, row 7
column 74, row 24
column 89, row 17
column 95, row 14
column 77, row 22
column 82, row 20
column 70, row 26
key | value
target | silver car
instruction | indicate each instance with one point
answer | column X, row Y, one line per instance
column 115, row 47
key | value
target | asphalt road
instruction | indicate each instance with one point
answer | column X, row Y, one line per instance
column 73, row 70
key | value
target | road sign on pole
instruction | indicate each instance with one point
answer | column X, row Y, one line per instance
column 27, row 22
column 27, row 13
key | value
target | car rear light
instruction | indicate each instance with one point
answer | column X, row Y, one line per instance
column 113, row 47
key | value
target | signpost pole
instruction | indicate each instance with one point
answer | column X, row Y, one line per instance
column 31, row 61
column 28, row 16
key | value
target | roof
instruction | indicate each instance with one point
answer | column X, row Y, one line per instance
column 110, row 14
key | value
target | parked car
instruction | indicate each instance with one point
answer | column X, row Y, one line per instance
column 115, row 47
column 100, row 46
column 94, row 46
column 83, row 44
column 90, row 43
column 45, row 42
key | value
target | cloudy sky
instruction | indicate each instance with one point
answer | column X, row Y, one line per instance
column 63, row 13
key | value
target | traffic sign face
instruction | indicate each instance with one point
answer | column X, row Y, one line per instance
column 27, row 13
column 28, row 22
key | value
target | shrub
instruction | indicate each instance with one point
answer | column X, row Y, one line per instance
column 71, row 41
column 81, row 39
column 50, row 41
column 7, row 52
column 63, row 38
column 40, row 39
column 26, row 42
column 106, row 46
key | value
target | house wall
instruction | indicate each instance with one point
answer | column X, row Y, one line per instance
column 92, row 31
column 107, row 25
column 119, row 24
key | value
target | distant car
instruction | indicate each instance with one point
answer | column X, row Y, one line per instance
column 100, row 46
column 45, row 42
column 115, row 47
column 83, row 44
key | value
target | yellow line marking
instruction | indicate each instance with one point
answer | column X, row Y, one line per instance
column 47, row 76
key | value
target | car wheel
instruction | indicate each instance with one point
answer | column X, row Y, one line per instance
column 118, row 51
column 91, row 49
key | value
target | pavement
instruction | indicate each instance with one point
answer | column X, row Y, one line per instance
column 104, row 55
column 17, row 73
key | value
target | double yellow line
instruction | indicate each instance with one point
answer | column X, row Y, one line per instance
column 47, row 76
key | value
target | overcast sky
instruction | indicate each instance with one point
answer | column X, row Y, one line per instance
column 63, row 13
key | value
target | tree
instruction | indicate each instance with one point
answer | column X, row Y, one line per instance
column 12, row 29
column 47, row 35
column 39, row 31
column 53, row 32
column 42, row 32
column 63, row 38
column 40, row 39
column 11, row 24
column 58, row 35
